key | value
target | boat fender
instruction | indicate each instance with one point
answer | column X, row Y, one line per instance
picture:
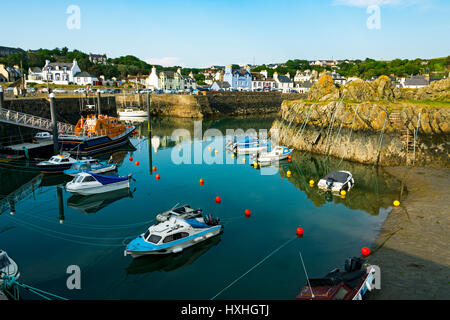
column 176, row 250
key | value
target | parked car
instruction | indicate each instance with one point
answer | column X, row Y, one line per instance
column 60, row 90
column 80, row 90
column 115, row 90
column 144, row 91
column 31, row 90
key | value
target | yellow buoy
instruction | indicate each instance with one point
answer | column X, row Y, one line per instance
column 209, row 148
column 232, row 156
column 243, row 160
column 343, row 193
column 216, row 151
column 311, row 181
column 288, row 173
column 396, row 203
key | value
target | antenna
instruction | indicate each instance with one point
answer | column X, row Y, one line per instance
column 307, row 278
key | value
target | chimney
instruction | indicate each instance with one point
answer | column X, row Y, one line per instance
column 275, row 76
column 264, row 73
column 288, row 75
column 179, row 70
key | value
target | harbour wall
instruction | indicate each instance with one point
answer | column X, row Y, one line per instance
column 368, row 132
column 210, row 104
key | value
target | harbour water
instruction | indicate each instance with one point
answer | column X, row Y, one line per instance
column 51, row 229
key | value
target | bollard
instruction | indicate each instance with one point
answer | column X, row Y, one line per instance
column 2, row 99
column 98, row 103
column 54, row 122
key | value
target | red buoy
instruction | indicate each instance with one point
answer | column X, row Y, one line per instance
column 130, row 158
column 137, row 163
column 365, row 251
column 202, row 182
column 154, row 169
column 299, row 231
column 158, row 177
column 218, row 200
column 247, row 212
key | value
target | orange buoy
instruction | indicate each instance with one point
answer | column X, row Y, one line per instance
column 365, row 251
column 218, row 200
column 299, row 231
column 154, row 169
column 130, row 158
column 137, row 163
column 202, row 182
column 247, row 212
column 158, row 177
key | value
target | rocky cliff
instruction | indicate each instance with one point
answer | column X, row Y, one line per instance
column 368, row 132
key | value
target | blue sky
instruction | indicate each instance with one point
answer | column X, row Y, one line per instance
column 202, row 33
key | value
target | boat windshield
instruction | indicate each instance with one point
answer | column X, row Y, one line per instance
column 76, row 166
column 78, row 179
column 54, row 159
column 153, row 238
column 4, row 261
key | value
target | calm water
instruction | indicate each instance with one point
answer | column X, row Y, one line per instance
column 51, row 229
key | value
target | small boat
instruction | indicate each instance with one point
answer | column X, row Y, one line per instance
column 278, row 153
column 351, row 284
column 43, row 135
column 90, row 166
column 132, row 112
column 247, row 145
column 184, row 211
column 8, row 267
column 91, row 183
column 173, row 235
column 57, row 163
column 336, row 181
column 95, row 134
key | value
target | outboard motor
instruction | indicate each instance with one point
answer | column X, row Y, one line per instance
column 330, row 182
column 353, row 264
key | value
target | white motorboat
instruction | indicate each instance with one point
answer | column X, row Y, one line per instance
column 132, row 112
column 184, row 211
column 90, row 183
column 8, row 267
column 247, row 145
column 336, row 181
column 173, row 235
column 43, row 135
column 58, row 163
column 277, row 153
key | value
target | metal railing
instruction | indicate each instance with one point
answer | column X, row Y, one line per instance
column 31, row 121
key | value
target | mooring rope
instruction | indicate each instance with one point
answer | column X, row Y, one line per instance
column 254, row 267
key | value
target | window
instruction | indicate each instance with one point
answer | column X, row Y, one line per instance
column 175, row 236
column 154, row 238
column 64, row 160
column 89, row 179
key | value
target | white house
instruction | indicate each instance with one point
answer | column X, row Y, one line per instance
column 261, row 82
column 302, row 87
column 55, row 72
column 152, row 80
column 414, row 82
column 170, row 80
column 283, row 82
column 84, row 78
column 303, row 76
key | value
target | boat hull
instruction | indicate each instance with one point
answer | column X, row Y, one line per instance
column 88, row 190
column 90, row 145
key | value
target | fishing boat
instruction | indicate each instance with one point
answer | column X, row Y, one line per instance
column 95, row 134
column 351, row 284
column 132, row 112
column 173, row 235
column 90, row 166
column 277, row 153
column 8, row 267
column 91, row 183
column 336, row 181
column 43, row 135
column 184, row 211
column 58, row 163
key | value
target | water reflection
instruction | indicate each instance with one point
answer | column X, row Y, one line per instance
column 374, row 189
column 167, row 263
column 96, row 202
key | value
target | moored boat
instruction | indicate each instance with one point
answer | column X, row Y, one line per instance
column 351, row 284
column 277, row 153
column 8, row 267
column 247, row 145
column 336, row 181
column 184, row 211
column 57, row 163
column 90, row 166
column 132, row 112
column 90, row 183
column 95, row 134
column 173, row 236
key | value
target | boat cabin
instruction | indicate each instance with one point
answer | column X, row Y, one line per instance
column 100, row 125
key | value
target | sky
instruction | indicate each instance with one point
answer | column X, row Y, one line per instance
column 199, row 33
